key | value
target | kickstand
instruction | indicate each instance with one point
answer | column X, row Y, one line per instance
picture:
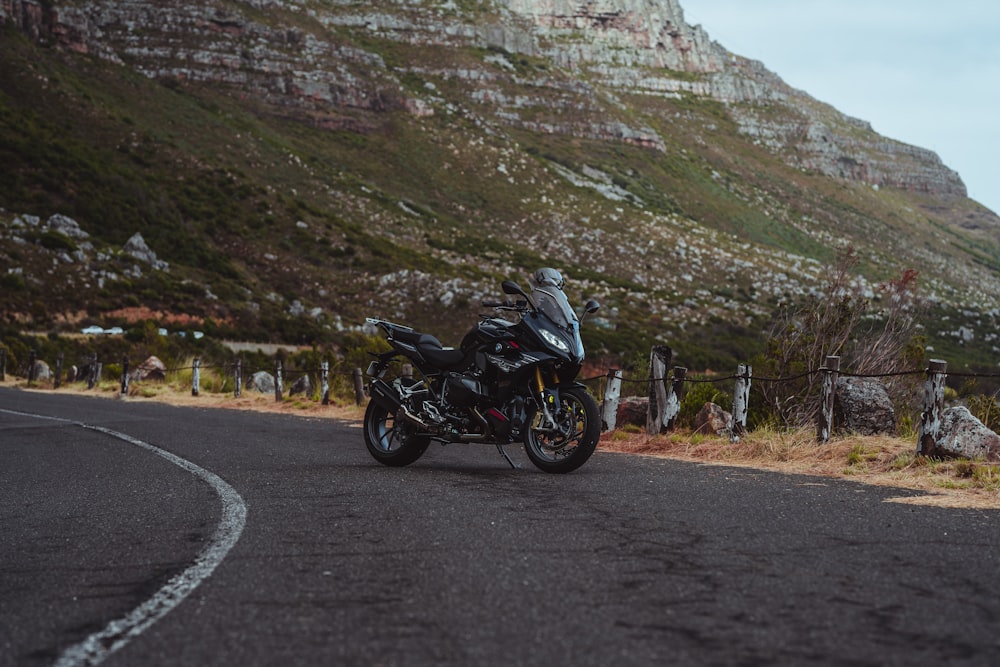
column 502, row 452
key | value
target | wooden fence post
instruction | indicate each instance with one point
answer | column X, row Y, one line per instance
column 359, row 386
column 124, row 384
column 196, row 377
column 612, row 396
column 238, row 378
column 277, row 380
column 3, row 365
column 741, row 402
column 59, row 370
column 831, row 371
column 674, row 391
column 930, row 418
column 32, row 357
column 659, row 361
column 92, row 375
column 324, row 381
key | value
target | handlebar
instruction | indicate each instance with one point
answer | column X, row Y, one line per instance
column 506, row 305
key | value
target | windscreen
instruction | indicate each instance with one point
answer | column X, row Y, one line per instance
column 552, row 303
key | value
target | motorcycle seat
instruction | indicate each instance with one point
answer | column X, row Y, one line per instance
column 432, row 350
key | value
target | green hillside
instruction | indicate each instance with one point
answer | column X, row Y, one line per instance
column 288, row 225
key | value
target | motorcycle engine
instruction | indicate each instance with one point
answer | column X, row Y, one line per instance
column 465, row 391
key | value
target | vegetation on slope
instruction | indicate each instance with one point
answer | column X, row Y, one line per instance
column 289, row 228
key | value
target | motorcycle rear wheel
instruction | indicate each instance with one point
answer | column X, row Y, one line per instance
column 580, row 422
column 392, row 441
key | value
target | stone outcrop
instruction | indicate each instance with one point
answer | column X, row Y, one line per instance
column 261, row 382
column 136, row 248
column 712, row 419
column 963, row 435
column 152, row 369
column 632, row 34
column 66, row 226
column 295, row 58
column 863, row 406
column 633, row 411
column 833, row 150
column 42, row 372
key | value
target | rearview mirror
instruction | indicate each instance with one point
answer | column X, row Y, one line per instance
column 588, row 308
column 510, row 287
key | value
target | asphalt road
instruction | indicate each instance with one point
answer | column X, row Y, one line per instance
column 458, row 559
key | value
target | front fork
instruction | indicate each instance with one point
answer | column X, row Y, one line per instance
column 548, row 398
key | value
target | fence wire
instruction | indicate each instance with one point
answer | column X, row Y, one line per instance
column 246, row 372
column 789, row 378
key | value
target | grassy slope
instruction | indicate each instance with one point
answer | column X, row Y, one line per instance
column 215, row 185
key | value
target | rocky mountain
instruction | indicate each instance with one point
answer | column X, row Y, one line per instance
column 297, row 164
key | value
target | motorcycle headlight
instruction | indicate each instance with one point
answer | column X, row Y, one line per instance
column 555, row 341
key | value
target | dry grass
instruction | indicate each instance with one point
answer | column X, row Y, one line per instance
column 880, row 460
column 179, row 394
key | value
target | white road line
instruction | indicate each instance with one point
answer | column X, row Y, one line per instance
column 118, row 633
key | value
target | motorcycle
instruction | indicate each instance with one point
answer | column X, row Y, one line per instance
column 510, row 380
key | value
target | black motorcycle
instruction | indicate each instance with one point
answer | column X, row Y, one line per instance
column 509, row 381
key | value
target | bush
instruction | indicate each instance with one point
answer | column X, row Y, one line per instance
column 985, row 409
column 840, row 321
column 56, row 241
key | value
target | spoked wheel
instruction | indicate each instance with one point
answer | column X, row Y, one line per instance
column 390, row 441
column 566, row 445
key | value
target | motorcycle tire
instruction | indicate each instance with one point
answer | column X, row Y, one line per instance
column 579, row 419
column 390, row 441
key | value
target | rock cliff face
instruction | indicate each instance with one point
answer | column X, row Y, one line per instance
column 551, row 66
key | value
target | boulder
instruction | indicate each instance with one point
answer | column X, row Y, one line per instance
column 713, row 419
column 66, row 226
column 136, row 247
column 151, row 369
column 262, row 382
column 863, row 406
column 962, row 434
column 632, row 410
column 42, row 372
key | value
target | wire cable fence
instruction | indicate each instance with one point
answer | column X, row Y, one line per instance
column 664, row 388
column 789, row 378
column 234, row 376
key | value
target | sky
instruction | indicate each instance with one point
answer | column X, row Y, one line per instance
column 921, row 72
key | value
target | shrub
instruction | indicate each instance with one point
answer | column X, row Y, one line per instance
column 840, row 321
column 56, row 241
column 985, row 409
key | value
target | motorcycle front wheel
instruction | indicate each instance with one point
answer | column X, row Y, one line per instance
column 391, row 441
column 566, row 445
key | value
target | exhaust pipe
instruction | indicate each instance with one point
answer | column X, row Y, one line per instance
column 385, row 395
column 387, row 398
